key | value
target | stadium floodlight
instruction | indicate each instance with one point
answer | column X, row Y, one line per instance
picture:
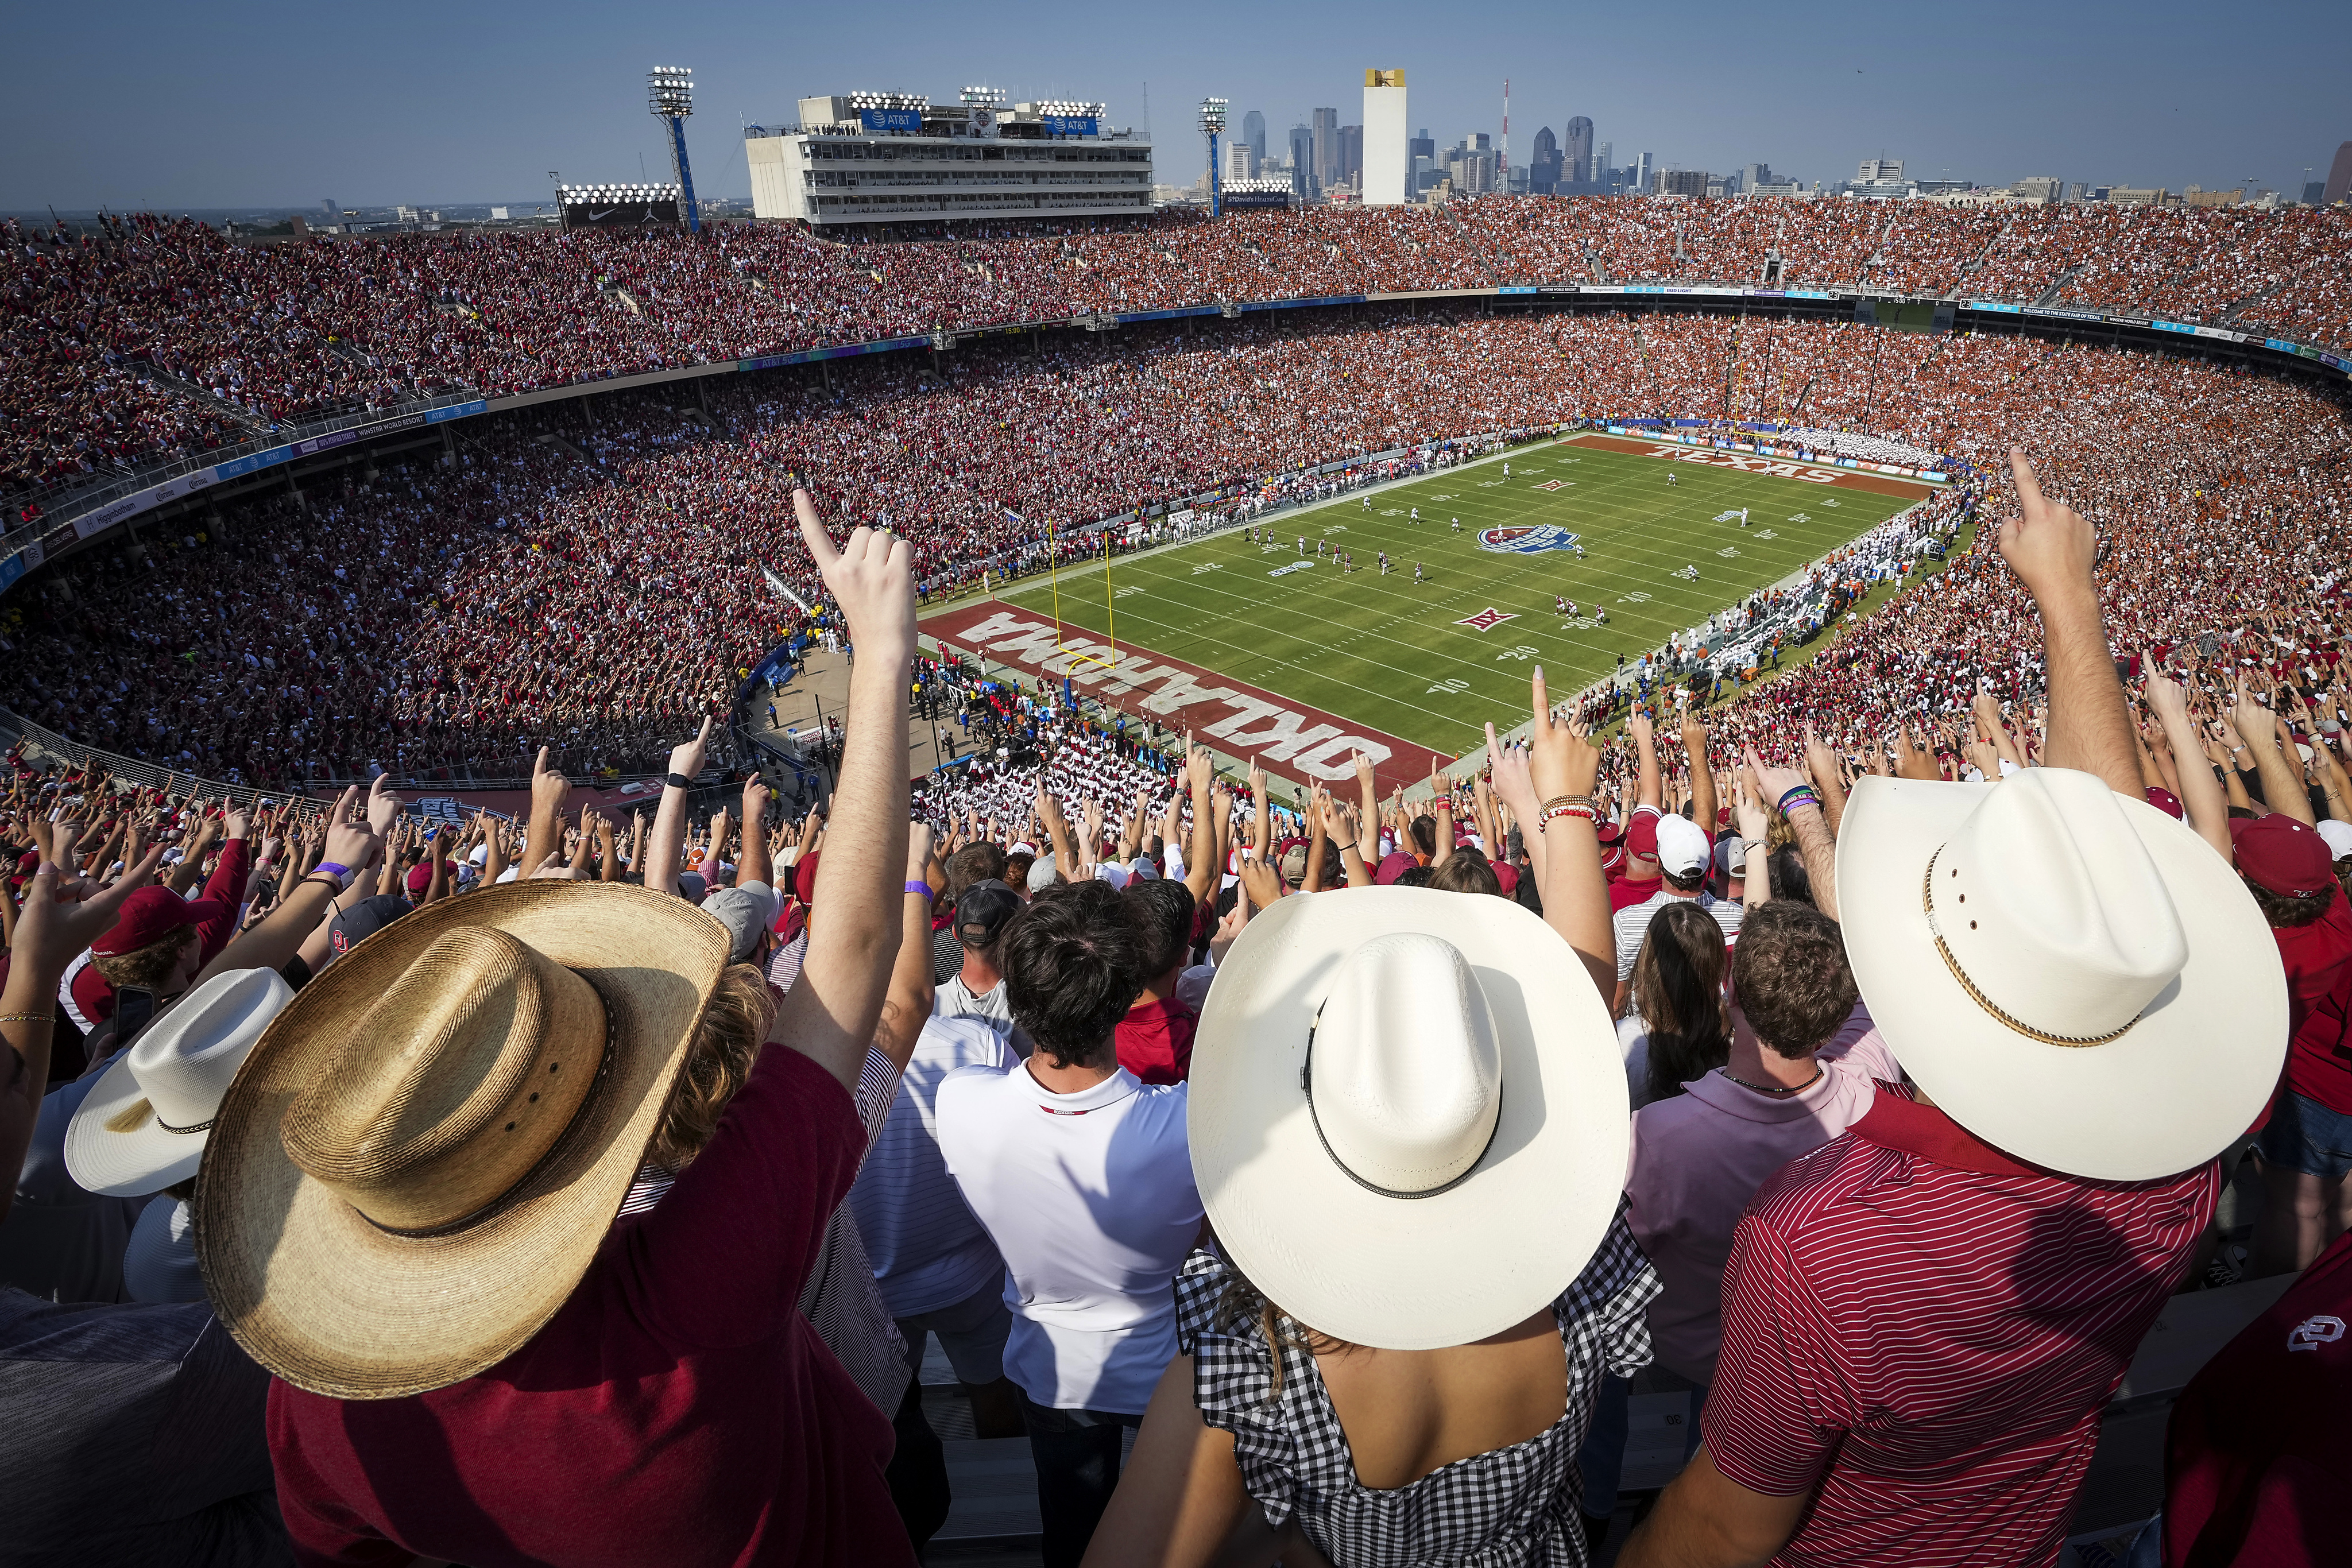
column 985, row 97
column 1212, row 125
column 671, row 95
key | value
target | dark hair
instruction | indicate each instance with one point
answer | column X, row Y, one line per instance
column 2285, row 911
column 974, row 862
column 1678, row 990
column 1162, row 909
column 1425, row 833
column 1790, row 979
column 1786, row 876
column 1687, row 882
column 1073, row 966
column 1466, row 870
column 1414, row 877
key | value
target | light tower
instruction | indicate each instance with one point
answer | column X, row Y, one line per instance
column 1212, row 125
column 670, row 92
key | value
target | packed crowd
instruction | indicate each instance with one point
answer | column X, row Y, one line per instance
column 149, row 337
column 554, row 583
column 581, row 1190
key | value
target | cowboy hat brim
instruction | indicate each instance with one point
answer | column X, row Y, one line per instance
column 110, row 1153
column 330, row 1302
column 2189, row 1077
column 1417, row 1274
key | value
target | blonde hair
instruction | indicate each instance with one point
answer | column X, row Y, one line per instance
column 1243, row 1304
column 734, row 1024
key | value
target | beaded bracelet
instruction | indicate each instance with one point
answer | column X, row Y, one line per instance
column 1566, row 800
column 1569, row 811
column 1802, row 795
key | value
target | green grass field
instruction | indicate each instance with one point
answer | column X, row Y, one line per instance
column 1388, row 653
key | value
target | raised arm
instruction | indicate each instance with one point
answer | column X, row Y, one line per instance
column 754, row 864
column 2281, row 789
column 667, row 844
column 2053, row 549
column 1704, row 802
column 2200, row 793
column 908, row 1002
column 1562, row 765
column 1787, row 788
column 831, row 1014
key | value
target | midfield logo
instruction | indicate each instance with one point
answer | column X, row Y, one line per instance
column 1487, row 620
column 1294, row 566
column 1531, row 540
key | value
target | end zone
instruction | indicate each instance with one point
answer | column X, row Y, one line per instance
column 1289, row 740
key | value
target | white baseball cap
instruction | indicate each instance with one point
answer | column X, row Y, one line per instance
column 1681, row 845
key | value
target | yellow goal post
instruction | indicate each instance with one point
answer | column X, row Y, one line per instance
column 1054, row 576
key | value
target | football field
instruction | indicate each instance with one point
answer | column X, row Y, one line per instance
column 1425, row 661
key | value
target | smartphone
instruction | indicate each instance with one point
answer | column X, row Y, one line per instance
column 134, row 1008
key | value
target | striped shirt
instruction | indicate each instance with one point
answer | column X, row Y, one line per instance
column 1632, row 923
column 1923, row 1331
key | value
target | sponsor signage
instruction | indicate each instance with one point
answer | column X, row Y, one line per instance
column 899, row 119
column 1996, row 305
column 1517, row 289
column 1070, row 124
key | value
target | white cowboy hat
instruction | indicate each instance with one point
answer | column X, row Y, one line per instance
column 2072, row 975
column 143, row 1124
column 1408, row 1114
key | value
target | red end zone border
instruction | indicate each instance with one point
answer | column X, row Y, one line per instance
column 1757, row 462
column 1290, row 741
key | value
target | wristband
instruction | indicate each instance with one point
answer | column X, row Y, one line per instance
column 1566, row 800
column 1802, row 795
column 677, row 781
column 924, row 888
column 1567, row 808
column 334, row 881
column 336, row 868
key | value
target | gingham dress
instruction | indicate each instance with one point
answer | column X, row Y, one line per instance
column 1511, row 1506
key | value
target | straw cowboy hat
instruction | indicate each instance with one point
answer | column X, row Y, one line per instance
column 143, row 1125
column 1408, row 1113
column 426, row 1148
column 2069, row 974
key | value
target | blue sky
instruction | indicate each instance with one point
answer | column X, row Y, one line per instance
column 141, row 104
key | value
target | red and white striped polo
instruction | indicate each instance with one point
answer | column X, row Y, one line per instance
column 1923, row 1331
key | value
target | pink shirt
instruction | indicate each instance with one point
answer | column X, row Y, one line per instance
column 1698, row 1157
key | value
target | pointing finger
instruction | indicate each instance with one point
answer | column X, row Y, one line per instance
column 2029, row 488
column 812, row 534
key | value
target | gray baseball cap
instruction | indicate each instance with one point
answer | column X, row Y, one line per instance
column 1042, row 875
column 748, row 911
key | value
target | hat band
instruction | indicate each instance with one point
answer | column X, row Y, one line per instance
column 203, row 1126
column 561, row 1145
column 1307, row 1087
column 1928, row 904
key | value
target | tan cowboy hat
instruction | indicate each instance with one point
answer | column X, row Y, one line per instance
column 2071, row 974
column 426, row 1148
column 1408, row 1113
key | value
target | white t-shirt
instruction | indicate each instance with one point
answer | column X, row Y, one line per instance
column 955, row 999
column 1089, row 1199
column 927, row 1248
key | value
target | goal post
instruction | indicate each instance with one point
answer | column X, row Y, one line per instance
column 1075, row 656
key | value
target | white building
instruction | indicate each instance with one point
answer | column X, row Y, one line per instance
column 1387, row 163
column 865, row 158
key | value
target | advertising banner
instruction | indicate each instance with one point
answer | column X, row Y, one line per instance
column 900, row 119
column 1071, row 124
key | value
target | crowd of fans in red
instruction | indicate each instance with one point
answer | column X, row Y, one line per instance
column 559, row 583
column 149, row 337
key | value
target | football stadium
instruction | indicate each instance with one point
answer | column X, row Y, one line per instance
column 1387, row 859
column 1399, row 613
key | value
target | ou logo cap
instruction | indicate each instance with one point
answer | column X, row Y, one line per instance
column 2323, row 1328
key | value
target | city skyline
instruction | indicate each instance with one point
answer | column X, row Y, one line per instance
column 375, row 119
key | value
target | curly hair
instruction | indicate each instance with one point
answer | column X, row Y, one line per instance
column 2285, row 911
column 1790, row 978
column 719, row 1064
column 145, row 967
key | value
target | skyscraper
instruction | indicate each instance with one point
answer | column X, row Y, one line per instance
column 1604, row 156
column 1642, row 178
column 1352, row 157
column 1544, row 164
column 1253, row 132
column 2339, row 176
column 1326, row 149
column 1577, row 152
column 1302, row 161
column 1388, row 163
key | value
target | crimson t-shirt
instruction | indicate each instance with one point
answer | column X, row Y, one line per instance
column 2319, row 959
column 2258, row 1459
column 678, row 1408
column 1155, row 1041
